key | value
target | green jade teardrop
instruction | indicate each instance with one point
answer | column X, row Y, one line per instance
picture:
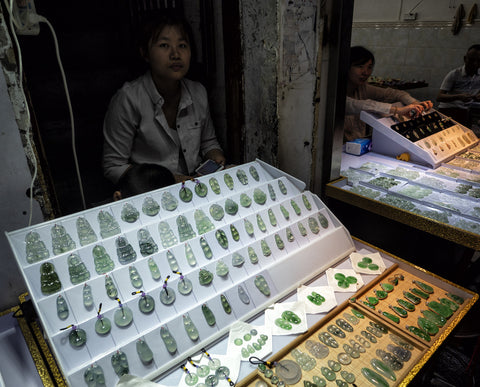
column 423, row 286
column 291, row 317
column 125, row 252
column 216, row 211
column 295, row 207
column 85, row 232
column 120, row 363
column 62, row 308
column 77, row 337
column 313, row 225
column 135, row 278
column 110, row 288
column 167, row 295
column 103, row 262
column 154, row 270
column 225, row 304
column 189, row 255
column 372, row 300
column 150, row 207
column 202, row 222
column 419, row 332
column 172, row 261
column 261, row 224
column 123, row 316
column 93, row 376
column 206, row 248
column 412, row 298
column 49, row 281
column 168, row 340
column 248, row 227
column 87, row 297
column 167, row 236
column 235, row 233
column 455, row 298
column 61, row 240
column 282, row 187
column 438, row 320
column 399, row 311
column 146, row 303
column 77, row 270
column 205, row 277
column 252, row 255
column 201, row 189
column 282, row 323
column 272, row 218
column 428, row 326
column 221, row 238
column 208, row 314
column 169, row 203
column 144, row 352
column 108, row 225
column 302, row 229
column 35, row 248
column 306, row 203
column 242, row 177
column 420, row 293
column 259, row 196
column 391, row 317
column 383, row 369
column 262, row 285
column 190, row 328
column 237, row 260
column 214, row 185
column 221, row 269
column 271, row 192
column 129, row 213
column 285, row 213
column 254, row 173
column 408, row 306
column 445, row 301
column 185, row 194
column 323, row 220
column 228, row 181
column 265, row 248
column 279, row 242
column 242, row 294
column 245, row 200
column 440, row 309
column 102, row 325
column 184, row 286
column 387, row 287
column 146, row 243
column 290, row 236
column 185, row 229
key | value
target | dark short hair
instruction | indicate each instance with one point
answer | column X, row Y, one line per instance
column 141, row 178
column 360, row 55
column 474, row 47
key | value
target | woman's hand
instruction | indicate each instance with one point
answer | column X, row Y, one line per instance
column 413, row 110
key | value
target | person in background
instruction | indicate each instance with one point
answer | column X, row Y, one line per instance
column 460, row 88
column 161, row 117
column 362, row 96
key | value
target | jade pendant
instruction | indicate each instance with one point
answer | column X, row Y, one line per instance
column 282, row 187
column 336, row 331
column 387, row 287
column 401, row 342
column 61, row 240
column 150, row 207
column 201, row 189
column 206, row 248
column 245, row 200
column 185, row 194
column 242, row 177
column 452, row 305
column 419, row 293
column 402, row 354
column 327, row 339
column 439, row 308
column 374, row 378
column 408, row 306
column 271, row 192
column 302, row 229
column 351, row 319
column 214, row 185
column 423, row 286
column 323, row 220
column 167, row 296
column 146, row 243
column 168, row 340
column 135, row 278
column 120, row 363
column 316, row 298
column 123, row 316
column 392, row 317
column 146, row 304
column 203, row 222
column 334, row 365
column 208, row 314
column 77, row 270
column 400, row 311
column 203, row 371
column 265, row 248
column 77, row 337
column 231, row 208
column 427, row 326
column 389, row 359
column 295, row 207
column 144, row 352
column 328, row 374
column 306, row 203
column 348, row 376
column 419, row 332
column 185, row 229
column 108, row 225
column 110, row 288
column 225, row 304
column 371, row 337
column 242, row 294
column 154, row 270
column 291, row 317
column 85, row 232
column 316, row 349
column 191, row 379
column 184, row 286
column 221, row 238
column 248, row 227
column 93, row 376
column 221, row 269
column 172, row 261
column 189, row 255
column 49, row 281
column 205, row 277
column 383, row 369
column 169, row 203
column 35, row 248
column 252, row 255
column 259, row 196
column 314, row 227
column 129, row 213
column 272, row 218
column 254, row 173
column 261, row 224
column 216, row 211
column 166, row 235
column 262, row 285
column 281, row 323
column 87, row 297
column 125, row 252
column 459, row 300
column 103, row 262
column 62, row 308
column 190, row 328
column 372, row 300
column 344, row 324
column 412, row 298
column 237, row 260
column 290, row 236
column 235, row 233
column 228, row 181
column 434, row 317
column 279, row 242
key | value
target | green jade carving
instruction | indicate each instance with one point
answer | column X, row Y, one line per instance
column 189, row 255
column 35, row 248
column 285, row 213
column 440, row 309
column 313, row 225
column 445, row 301
column 146, row 303
column 381, row 294
column 125, row 252
column 374, row 378
column 85, row 232
column 108, row 225
column 129, row 213
column 184, row 286
column 291, row 317
column 135, row 278
column 306, row 362
column 392, row 317
column 237, row 260
column 412, row 298
column 190, row 328
column 259, row 196
column 334, row 330
column 49, row 281
column 62, row 308
column 252, row 255
column 150, row 207
column 279, row 242
column 87, row 297
column 235, row 233
column 208, row 314
column 166, row 235
column 302, row 229
column 457, row 299
column 427, row 326
column 103, row 262
column 419, row 332
column 245, row 200
column 316, row 298
column 168, row 340
column 144, row 352
column 306, row 203
column 167, row 295
column 185, row 230
column 438, row 320
column 123, row 316
column 77, row 337
column 344, row 324
column 295, row 207
column 420, row 294
column 120, row 363
column 248, row 227
column 205, row 277
column 169, row 203
column 271, row 192
column 254, row 173
column 408, row 306
column 207, row 251
column 323, row 220
column 146, row 243
column 228, row 181
column 380, row 367
column 94, row 377
column 262, row 285
column 221, row 269
column 191, row 378
column 272, row 218
column 423, row 286
column 265, row 248
column 214, row 185
column 282, row 323
column 61, row 240
column 225, row 304
column 318, row 381
column 290, row 236
column 334, row 365
column 282, row 187
column 387, row 287
column 231, row 208
column 185, row 194
column 154, row 270
column 202, row 222
column 110, row 288
column 221, row 238
column 327, row 339
column 216, row 211
column 242, row 294
column 200, row 189
column 242, row 177
column 77, row 270
column 261, row 224
column 399, row 311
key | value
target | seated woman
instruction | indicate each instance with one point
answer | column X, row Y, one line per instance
column 161, row 117
column 362, row 96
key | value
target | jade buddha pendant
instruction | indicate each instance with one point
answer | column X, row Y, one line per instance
column 146, row 304
column 93, row 376
column 265, row 248
column 295, row 207
column 85, row 232
column 252, row 255
column 306, row 203
column 172, row 261
column 190, row 327
column 125, row 252
column 282, row 187
column 102, row 325
column 49, row 281
column 221, row 238
column 77, row 270
column 216, row 211
column 323, row 220
column 314, row 227
column 401, row 353
column 146, row 243
column 185, row 229
column 144, row 352
column 231, row 208
column 208, row 314
column 135, row 278
column 237, row 260
column 185, row 194
column 61, row 240
column 189, row 255
column 169, row 203
column 285, row 212
column 87, row 297
column 214, row 185
column 167, row 295
column 62, row 308
column 110, row 288
column 259, row 196
column 201, row 189
column 245, row 200
column 254, row 173
column 316, row 349
column 168, row 340
column 228, row 181
column 35, row 248
column 261, row 223
column 129, row 213
column 77, row 337
column 221, row 269
column 154, row 270
column 225, row 304
column 184, row 286
column 242, row 294
column 120, row 363
column 279, row 242
column 202, row 222
column 248, row 227
column 271, row 192
column 123, row 316
column 206, row 248
column 103, row 262
column 272, row 218
column 108, row 225
column 235, row 233
column 166, row 235
column 262, row 285
column 150, row 207
column 242, row 177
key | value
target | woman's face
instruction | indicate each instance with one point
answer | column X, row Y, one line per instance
column 359, row 74
column 169, row 56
